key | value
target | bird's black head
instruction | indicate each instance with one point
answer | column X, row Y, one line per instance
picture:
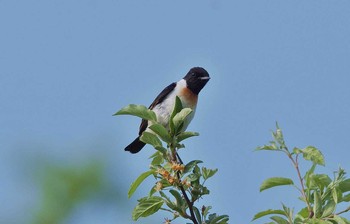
column 196, row 79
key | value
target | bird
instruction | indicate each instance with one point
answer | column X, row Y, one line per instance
column 187, row 89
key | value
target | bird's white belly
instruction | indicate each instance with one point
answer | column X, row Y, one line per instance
column 164, row 110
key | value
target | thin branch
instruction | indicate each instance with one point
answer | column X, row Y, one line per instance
column 177, row 158
column 165, row 209
column 346, row 210
column 303, row 192
column 189, row 203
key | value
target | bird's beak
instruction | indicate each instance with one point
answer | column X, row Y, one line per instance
column 205, row 78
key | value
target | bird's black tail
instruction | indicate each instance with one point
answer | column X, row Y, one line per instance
column 135, row 146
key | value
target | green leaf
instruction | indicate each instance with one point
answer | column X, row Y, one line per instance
column 221, row 219
column 279, row 220
column 317, row 221
column 313, row 154
column 211, row 216
column 345, row 198
column 192, row 177
column 268, row 212
column 187, row 134
column 152, row 191
column 168, row 202
column 161, row 131
column 308, row 175
column 298, row 219
column 189, row 166
column 153, row 140
column 157, row 159
column 165, row 197
column 275, row 181
column 198, row 214
column 207, row 173
column 278, row 136
column 165, row 183
column 344, row 185
column 304, row 213
column 205, row 211
column 335, row 195
column 317, row 204
column 297, row 150
column 180, row 146
column 270, row 147
column 177, row 196
column 177, row 108
column 147, row 207
column 288, row 212
column 205, row 191
column 329, row 209
column 340, row 220
column 138, row 181
column 139, row 111
column 180, row 117
column 320, row 180
column 195, row 193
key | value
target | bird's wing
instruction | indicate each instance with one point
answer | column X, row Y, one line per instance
column 162, row 95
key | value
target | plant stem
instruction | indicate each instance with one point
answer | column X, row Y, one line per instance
column 189, row 203
column 176, row 158
column 346, row 210
column 168, row 210
column 296, row 166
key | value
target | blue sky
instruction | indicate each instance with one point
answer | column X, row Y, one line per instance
column 67, row 66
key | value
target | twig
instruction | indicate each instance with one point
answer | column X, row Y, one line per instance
column 189, row 203
column 296, row 165
column 178, row 157
column 346, row 210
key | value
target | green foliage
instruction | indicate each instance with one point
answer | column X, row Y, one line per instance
column 147, row 206
column 64, row 188
column 139, row 111
column 138, row 181
column 275, row 181
column 320, row 193
column 184, row 135
column 153, row 140
column 268, row 212
column 312, row 154
column 177, row 186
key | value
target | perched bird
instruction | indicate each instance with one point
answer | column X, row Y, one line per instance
column 187, row 89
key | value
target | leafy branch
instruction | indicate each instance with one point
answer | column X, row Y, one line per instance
column 319, row 192
column 178, row 186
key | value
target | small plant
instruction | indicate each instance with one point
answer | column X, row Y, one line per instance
column 320, row 193
column 177, row 186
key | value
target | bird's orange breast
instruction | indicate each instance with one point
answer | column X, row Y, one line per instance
column 188, row 98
